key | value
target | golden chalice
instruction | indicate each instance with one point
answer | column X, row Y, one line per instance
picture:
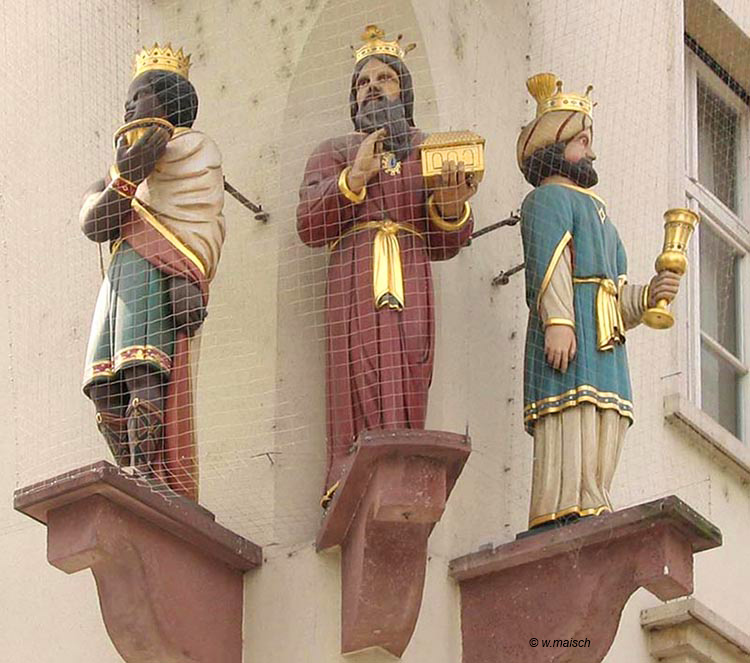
column 679, row 224
column 134, row 130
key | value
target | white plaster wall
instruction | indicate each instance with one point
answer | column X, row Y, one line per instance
column 60, row 80
column 273, row 81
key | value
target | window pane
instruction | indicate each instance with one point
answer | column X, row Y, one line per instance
column 719, row 390
column 718, row 146
column 718, row 277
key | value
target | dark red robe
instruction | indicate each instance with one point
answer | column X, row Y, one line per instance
column 177, row 463
column 379, row 361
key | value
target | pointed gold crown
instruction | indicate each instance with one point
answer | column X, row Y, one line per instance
column 547, row 90
column 161, row 59
column 376, row 45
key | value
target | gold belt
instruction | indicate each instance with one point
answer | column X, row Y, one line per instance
column 387, row 275
column 609, row 324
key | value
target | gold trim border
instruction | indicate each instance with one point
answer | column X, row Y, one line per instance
column 559, row 321
column 580, row 189
column 355, row 198
column 149, row 217
column 556, row 255
column 108, row 368
column 374, row 225
column 587, row 394
column 540, row 520
column 447, row 226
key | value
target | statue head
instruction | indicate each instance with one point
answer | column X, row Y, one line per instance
column 558, row 141
column 573, row 159
column 160, row 87
column 381, row 92
column 164, row 94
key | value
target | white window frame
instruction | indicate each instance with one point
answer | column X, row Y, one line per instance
column 731, row 227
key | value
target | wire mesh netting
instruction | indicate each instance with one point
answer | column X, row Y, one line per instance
column 278, row 270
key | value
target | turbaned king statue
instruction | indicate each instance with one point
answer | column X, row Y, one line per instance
column 577, row 396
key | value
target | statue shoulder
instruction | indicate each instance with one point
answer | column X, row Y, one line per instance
column 548, row 196
column 189, row 142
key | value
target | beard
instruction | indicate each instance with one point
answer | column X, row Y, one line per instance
column 375, row 114
column 551, row 160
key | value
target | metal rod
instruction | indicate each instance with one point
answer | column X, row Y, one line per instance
column 503, row 278
column 260, row 215
column 512, row 220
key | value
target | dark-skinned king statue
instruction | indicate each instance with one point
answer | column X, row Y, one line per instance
column 160, row 210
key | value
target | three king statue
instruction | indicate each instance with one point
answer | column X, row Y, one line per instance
column 577, row 394
column 160, row 208
column 364, row 196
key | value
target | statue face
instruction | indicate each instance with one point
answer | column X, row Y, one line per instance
column 579, row 147
column 377, row 80
column 141, row 100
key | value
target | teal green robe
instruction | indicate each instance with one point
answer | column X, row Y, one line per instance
column 551, row 217
column 132, row 322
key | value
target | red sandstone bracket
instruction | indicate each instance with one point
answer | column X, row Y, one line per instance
column 169, row 577
column 572, row 583
column 393, row 492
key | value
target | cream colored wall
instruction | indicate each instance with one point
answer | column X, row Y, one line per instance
column 62, row 83
column 273, row 81
column 633, row 53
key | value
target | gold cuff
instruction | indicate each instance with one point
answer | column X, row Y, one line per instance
column 356, row 198
column 440, row 222
column 559, row 321
column 645, row 297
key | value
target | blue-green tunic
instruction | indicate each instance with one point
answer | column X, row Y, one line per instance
column 552, row 217
column 133, row 319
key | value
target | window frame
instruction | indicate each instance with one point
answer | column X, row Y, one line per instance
column 729, row 227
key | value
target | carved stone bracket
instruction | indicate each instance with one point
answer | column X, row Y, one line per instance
column 169, row 578
column 572, row 583
column 394, row 490
column 687, row 631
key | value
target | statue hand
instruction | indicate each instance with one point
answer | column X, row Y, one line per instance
column 367, row 161
column 455, row 188
column 187, row 305
column 665, row 285
column 560, row 346
column 135, row 163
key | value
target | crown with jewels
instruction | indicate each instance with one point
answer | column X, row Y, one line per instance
column 376, row 45
column 547, row 90
column 162, row 59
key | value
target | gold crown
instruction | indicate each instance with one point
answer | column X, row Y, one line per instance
column 376, row 45
column 161, row 59
column 547, row 90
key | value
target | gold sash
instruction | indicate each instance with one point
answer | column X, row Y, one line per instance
column 609, row 324
column 387, row 275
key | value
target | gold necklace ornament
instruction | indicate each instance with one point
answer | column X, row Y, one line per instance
column 390, row 164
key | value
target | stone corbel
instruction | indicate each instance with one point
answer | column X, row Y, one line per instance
column 393, row 492
column 687, row 631
column 169, row 578
column 571, row 584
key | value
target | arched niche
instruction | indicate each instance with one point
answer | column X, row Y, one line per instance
column 317, row 108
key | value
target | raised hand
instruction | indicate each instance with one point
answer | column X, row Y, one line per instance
column 560, row 346
column 135, row 163
column 367, row 161
column 454, row 189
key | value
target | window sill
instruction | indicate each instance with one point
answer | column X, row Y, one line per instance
column 712, row 436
